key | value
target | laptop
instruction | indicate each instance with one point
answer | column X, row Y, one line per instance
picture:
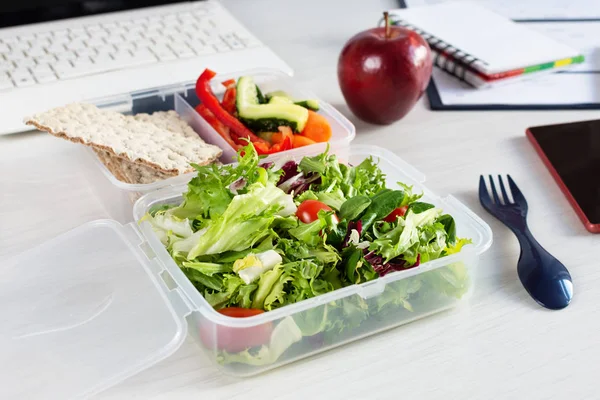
column 53, row 52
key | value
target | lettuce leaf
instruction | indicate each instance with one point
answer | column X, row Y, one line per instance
column 246, row 221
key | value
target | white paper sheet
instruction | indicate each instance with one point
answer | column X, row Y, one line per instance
column 561, row 88
column 584, row 36
column 534, row 9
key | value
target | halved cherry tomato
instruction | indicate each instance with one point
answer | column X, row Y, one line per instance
column 398, row 212
column 239, row 312
column 234, row 340
column 309, row 209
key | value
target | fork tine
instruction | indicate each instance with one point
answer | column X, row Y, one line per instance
column 516, row 192
column 494, row 192
column 484, row 196
column 503, row 189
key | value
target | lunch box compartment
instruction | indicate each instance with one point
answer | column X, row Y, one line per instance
column 367, row 308
column 119, row 196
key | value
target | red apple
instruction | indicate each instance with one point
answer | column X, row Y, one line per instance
column 383, row 72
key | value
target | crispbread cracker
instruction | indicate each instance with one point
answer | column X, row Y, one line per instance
column 134, row 139
column 130, row 172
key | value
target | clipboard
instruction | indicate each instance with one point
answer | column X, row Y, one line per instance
column 436, row 103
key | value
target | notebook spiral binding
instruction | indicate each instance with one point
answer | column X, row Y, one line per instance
column 447, row 57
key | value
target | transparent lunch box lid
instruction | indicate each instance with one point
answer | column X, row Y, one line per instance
column 83, row 312
column 90, row 308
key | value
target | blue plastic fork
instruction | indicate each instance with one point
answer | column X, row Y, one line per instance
column 545, row 278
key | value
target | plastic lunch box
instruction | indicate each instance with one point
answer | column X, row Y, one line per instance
column 105, row 301
column 118, row 196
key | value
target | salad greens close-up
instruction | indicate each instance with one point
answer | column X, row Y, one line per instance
column 255, row 236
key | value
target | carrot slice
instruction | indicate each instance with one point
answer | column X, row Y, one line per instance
column 317, row 127
column 300, row 141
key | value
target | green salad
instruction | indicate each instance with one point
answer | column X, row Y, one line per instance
column 254, row 236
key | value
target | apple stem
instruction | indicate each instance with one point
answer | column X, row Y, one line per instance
column 386, row 18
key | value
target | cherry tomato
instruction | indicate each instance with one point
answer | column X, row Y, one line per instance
column 234, row 340
column 398, row 212
column 239, row 312
column 309, row 209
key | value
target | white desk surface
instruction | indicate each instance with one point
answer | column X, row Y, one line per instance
column 500, row 345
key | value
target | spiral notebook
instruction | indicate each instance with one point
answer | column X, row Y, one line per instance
column 483, row 48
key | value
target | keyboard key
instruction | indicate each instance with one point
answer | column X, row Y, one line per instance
column 147, row 42
column 60, row 40
column 109, row 26
column 63, row 69
column 6, row 66
column 133, row 36
column 10, row 40
column 152, row 34
column 82, row 63
column 248, row 40
column 27, row 38
column 15, row 56
column 233, row 42
column 136, row 29
column 76, row 31
column 171, row 31
column 85, row 52
column 122, row 55
column 144, row 56
column 182, row 51
column 23, row 78
column 43, row 35
column 114, row 39
column 36, row 51
column 80, row 36
column 66, row 56
column 125, row 46
column 44, row 75
column 221, row 47
column 94, row 28
column 45, row 59
column 202, row 49
column 99, row 34
column 180, row 39
column 76, row 45
column 94, row 42
column 25, row 63
column 101, row 58
column 56, row 48
column 118, row 31
column 106, row 49
column 163, row 53
column 20, row 46
column 4, row 48
column 125, row 24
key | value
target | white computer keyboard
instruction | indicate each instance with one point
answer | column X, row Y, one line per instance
column 27, row 60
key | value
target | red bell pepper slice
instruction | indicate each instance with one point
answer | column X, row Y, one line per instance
column 217, row 125
column 228, row 83
column 207, row 97
column 228, row 102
